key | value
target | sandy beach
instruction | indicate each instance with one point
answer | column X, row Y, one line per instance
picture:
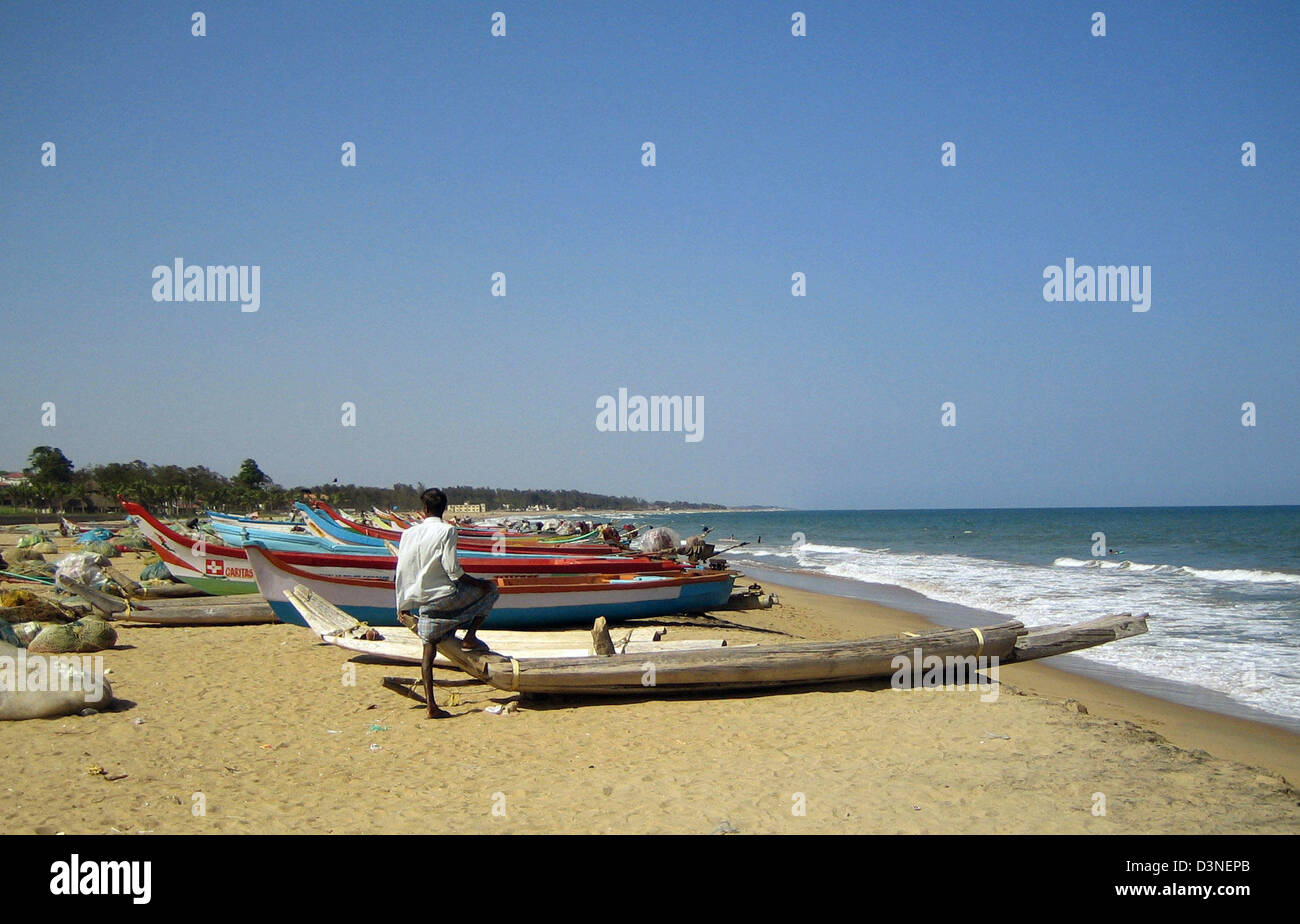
column 254, row 729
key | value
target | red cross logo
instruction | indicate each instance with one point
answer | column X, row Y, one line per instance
column 215, row 566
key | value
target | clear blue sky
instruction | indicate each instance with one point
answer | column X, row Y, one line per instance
column 775, row 154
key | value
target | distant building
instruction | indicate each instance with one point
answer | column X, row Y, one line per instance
column 10, row 479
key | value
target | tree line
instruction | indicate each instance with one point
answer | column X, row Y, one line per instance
column 55, row 484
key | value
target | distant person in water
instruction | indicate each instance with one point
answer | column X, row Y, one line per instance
column 431, row 585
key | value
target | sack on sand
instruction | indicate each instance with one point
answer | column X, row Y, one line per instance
column 33, row 538
column 68, row 689
column 45, row 548
column 132, row 539
column 84, row 635
column 156, row 572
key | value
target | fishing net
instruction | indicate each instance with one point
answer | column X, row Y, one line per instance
column 25, row 606
column 96, row 634
column 45, row 548
column 18, row 555
column 17, row 597
column 132, row 539
column 35, row 537
column 107, row 549
column 84, row 635
column 156, row 572
column 38, row 568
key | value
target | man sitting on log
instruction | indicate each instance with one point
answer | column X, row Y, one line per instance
column 431, row 584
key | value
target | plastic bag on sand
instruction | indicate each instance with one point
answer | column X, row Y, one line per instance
column 82, row 567
column 32, row 538
column 26, row 631
column 94, row 535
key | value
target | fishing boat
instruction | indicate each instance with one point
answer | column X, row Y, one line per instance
column 389, row 535
column 237, row 522
column 329, row 529
column 402, row 646
column 793, row 665
column 222, row 569
column 397, row 522
column 394, row 535
column 525, row 602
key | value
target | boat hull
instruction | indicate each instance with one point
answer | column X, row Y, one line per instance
column 524, row 603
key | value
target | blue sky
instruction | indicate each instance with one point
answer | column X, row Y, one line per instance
column 775, row 154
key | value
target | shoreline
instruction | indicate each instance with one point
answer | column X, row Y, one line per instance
column 1241, row 740
column 955, row 615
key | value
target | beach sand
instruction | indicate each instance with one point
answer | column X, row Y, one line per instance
column 263, row 729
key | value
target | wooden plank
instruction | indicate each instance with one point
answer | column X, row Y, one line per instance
column 202, row 601
column 795, row 664
column 101, row 601
column 410, row 652
column 740, row 668
column 1046, row 641
column 129, row 587
column 245, row 615
column 177, row 591
column 601, row 643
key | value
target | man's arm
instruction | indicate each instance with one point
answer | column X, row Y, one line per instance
column 450, row 564
column 401, row 574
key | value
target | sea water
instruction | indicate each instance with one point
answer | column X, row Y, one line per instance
column 1222, row 584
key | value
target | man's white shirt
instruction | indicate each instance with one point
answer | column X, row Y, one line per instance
column 426, row 564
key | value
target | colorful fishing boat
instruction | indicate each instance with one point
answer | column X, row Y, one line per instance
column 239, row 534
column 329, row 529
column 525, row 602
column 235, row 521
column 222, row 569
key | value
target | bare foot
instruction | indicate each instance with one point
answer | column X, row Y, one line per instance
column 473, row 644
column 435, row 713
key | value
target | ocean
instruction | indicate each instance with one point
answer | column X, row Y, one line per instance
column 1222, row 584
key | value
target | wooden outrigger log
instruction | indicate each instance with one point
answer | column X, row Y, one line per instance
column 775, row 666
column 404, row 647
